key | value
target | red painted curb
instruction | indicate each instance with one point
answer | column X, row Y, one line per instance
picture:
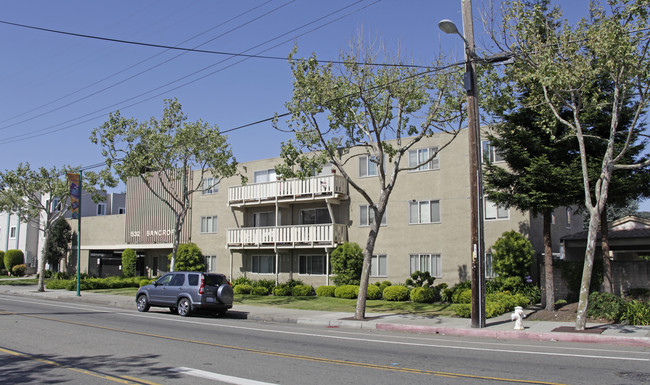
column 520, row 335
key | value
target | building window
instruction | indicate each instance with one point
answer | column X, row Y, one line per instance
column 489, row 266
column 568, row 218
column 426, row 262
column 211, row 262
column 314, row 216
column 262, row 176
column 264, row 219
column 552, row 218
column 367, row 216
column 210, row 186
column 262, row 264
column 490, row 155
column 493, row 211
column 101, row 208
column 209, row 224
column 12, row 232
column 420, row 156
column 424, row 211
column 367, row 166
column 56, row 205
column 121, row 210
column 378, row 266
column 312, row 265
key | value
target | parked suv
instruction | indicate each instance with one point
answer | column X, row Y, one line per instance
column 187, row 291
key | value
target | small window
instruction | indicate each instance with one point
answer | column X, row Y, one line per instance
column 121, row 210
column 101, row 208
column 262, row 264
column 424, row 212
column 210, row 186
column 312, row 265
column 378, row 266
column 12, row 232
column 211, row 262
column 490, row 155
column 209, row 224
column 314, row 216
column 367, row 216
column 264, row 219
column 368, row 166
column 426, row 262
column 494, row 212
column 56, row 205
column 193, row 279
column 262, row 176
column 420, row 156
column 568, row 218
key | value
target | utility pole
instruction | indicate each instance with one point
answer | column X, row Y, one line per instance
column 476, row 174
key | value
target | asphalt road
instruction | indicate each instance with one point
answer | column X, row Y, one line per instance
column 48, row 342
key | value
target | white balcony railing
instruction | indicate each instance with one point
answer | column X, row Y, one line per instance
column 322, row 235
column 329, row 186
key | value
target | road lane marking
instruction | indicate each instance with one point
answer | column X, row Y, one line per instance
column 122, row 380
column 219, row 377
column 294, row 356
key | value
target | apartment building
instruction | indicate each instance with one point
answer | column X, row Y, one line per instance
column 280, row 230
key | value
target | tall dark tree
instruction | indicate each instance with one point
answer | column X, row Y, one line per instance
column 58, row 243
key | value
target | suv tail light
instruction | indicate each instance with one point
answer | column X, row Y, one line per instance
column 202, row 285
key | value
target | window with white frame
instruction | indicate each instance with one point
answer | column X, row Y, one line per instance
column 209, row 224
column 121, row 210
column 368, row 166
column 367, row 216
column 379, row 266
column 426, row 262
column 262, row 176
column 424, row 211
column 568, row 218
column 56, row 205
column 312, row 265
column 489, row 266
column 262, row 264
column 211, row 262
column 314, row 216
column 12, row 232
column 101, row 208
column 494, row 211
column 210, row 186
column 490, row 155
column 420, row 156
column 264, row 219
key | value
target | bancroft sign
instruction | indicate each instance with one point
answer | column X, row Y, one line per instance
column 152, row 233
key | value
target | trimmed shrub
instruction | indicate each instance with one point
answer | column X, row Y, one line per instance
column 605, row 305
column 145, row 282
column 636, row 313
column 242, row 289
column 347, row 291
column 420, row 279
column 2, row 260
column 462, row 296
column 13, row 257
column 423, row 295
column 464, row 310
column 383, row 286
column 189, row 258
column 373, row 292
column 128, row 262
column 269, row 284
column 347, row 263
column 259, row 290
column 512, row 255
column 302, row 290
column 325, row 291
column 283, row 290
column 241, row 280
column 18, row 270
column 396, row 293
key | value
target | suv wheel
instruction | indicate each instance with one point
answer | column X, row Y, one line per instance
column 184, row 307
column 142, row 303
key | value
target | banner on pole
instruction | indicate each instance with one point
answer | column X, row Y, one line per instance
column 75, row 194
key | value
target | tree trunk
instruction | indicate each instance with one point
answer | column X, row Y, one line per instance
column 360, row 312
column 548, row 264
column 581, row 317
column 608, row 284
column 41, row 269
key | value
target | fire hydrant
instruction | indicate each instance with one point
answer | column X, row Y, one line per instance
column 518, row 316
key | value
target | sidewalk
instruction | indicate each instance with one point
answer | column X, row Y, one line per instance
column 500, row 327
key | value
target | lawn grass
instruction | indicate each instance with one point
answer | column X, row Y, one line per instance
column 18, row 281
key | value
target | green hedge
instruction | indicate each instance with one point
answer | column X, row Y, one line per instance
column 462, row 296
column 495, row 304
column 94, row 283
column 12, row 258
column 422, row 294
column 282, row 291
column 396, row 293
column 374, row 292
column 242, row 288
column 325, row 291
column 259, row 290
column 347, row 291
column 18, row 270
column 302, row 290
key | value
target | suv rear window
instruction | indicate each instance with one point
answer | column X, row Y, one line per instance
column 215, row 280
column 193, row 279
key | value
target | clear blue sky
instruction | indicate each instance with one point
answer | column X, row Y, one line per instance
column 57, row 88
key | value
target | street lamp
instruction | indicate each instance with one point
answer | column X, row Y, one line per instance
column 476, row 175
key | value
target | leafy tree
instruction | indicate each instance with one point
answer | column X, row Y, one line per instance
column 58, row 243
column 2, row 259
column 13, row 258
column 347, row 264
column 375, row 112
column 129, row 258
column 189, row 258
column 570, row 63
column 164, row 152
column 512, row 255
column 29, row 193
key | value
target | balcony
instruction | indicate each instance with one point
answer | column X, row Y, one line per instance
column 318, row 187
column 287, row 237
